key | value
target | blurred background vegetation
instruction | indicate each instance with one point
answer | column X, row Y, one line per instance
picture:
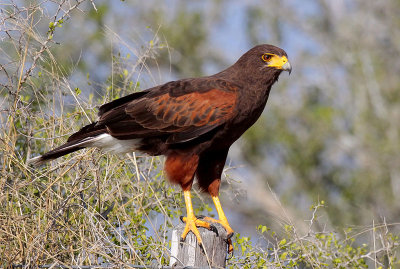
column 329, row 135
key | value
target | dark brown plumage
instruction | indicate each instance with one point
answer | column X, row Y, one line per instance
column 193, row 122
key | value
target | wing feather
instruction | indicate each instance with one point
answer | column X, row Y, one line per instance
column 178, row 114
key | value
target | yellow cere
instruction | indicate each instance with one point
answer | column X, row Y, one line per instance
column 274, row 60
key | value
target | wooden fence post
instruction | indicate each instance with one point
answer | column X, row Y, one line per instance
column 188, row 253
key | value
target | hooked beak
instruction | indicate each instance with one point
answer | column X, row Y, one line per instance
column 287, row 67
column 281, row 63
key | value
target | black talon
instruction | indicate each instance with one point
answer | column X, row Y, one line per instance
column 200, row 217
column 181, row 241
column 214, row 229
column 228, row 240
column 201, row 247
column 181, row 218
column 229, row 236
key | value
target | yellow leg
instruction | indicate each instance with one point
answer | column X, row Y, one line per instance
column 221, row 215
column 191, row 221
column 222, row 220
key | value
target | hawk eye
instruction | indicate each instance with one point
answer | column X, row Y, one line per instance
column 266, row 57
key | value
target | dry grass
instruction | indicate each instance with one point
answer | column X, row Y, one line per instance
column 86, row 208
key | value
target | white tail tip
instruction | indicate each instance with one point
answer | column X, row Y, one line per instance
column 36, row 161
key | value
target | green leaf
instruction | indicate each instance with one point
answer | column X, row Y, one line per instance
column 263, row 229
column 78, row 91
column 283, row 256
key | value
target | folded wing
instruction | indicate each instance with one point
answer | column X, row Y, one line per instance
column 179, row 113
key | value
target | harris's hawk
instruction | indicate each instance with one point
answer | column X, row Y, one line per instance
column 193, row 122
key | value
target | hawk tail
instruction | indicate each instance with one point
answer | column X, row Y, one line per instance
column 85, row 137
column 67, row 148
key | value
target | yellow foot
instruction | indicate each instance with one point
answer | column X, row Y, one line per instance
column 191, row 226
column 224, row 223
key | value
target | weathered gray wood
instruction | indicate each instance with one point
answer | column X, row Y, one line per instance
column 188, row 253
